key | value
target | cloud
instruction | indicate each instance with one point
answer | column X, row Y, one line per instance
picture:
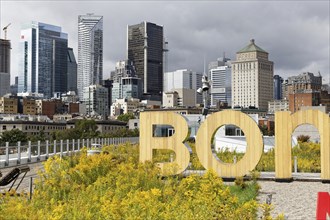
column 295, row 33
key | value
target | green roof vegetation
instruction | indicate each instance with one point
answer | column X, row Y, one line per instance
column 251, row 48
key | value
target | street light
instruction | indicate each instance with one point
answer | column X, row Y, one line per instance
column 204, row 91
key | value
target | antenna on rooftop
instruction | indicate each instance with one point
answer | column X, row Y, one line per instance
column 5, row 30
column 204, row 65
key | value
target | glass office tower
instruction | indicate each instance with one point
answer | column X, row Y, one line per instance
column 145, row 43
column 43, row 59
column 72, row 71
column 220, row 76
column 90, row 51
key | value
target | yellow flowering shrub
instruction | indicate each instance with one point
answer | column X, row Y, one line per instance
column 114, row 185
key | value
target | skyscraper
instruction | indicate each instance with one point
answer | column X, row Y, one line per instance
column 43, row 59
column 252, row 78
column 145, row 47
column 220, row 76
column 90, row 51
column 72, row 71
column 4, row 66
column 278, row 81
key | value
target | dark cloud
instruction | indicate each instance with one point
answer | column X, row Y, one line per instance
column 295, row 33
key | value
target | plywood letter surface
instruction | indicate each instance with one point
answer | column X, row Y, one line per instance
column 253, row 138
column 285, row 124
column 174, row 142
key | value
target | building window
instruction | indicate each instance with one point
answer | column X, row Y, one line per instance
column 4, row 127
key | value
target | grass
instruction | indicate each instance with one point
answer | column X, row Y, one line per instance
column 248, row 193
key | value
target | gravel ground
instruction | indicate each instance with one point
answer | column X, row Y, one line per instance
column 296, row 200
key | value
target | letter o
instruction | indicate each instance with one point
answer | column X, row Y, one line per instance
column 253, row 137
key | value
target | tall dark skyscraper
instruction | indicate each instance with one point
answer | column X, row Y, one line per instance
column 4, row 66
column 43, row 59
column 145, row 44
column 278, row 81
column 72, row 71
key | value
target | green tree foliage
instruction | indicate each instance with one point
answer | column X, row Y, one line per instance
column 83, row 129
column 264, row 130
column 86, row 128
column 13, row 136
column 41, row 136
column 124, row 132
column 114, row 185
column 125, row 117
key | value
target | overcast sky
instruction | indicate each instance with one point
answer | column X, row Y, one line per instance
column 294, row 33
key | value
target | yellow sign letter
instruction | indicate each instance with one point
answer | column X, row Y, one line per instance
column 253, row 136
column 174, row 142
column 285, row 124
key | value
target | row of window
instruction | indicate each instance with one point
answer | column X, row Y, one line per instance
column 37, row 127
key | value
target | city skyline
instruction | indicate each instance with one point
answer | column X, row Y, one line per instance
column 296, row 34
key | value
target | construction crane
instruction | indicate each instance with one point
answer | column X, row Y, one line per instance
column 5, row 30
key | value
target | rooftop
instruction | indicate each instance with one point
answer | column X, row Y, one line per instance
column 252, row 47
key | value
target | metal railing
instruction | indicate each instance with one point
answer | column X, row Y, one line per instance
column 24, row 153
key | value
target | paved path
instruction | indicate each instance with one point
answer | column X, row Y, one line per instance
column 296, row 200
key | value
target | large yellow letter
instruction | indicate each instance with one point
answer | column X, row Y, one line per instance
column 254, row 140
column 174, row 142
column 285, row 124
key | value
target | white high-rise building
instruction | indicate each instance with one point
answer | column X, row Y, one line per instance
column 95, row 98
column 221, row 82
column 183, row 79
column 252, row 78
column 90, row 51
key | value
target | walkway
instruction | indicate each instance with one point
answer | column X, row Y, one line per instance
column 296, row 200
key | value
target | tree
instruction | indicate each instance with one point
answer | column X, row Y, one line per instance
column 263, row 129
column 41, row 136
column 86, row 128
column 67, row 134
column 123, row 132
column 13, row 136
column 125, row 117
column 83, row 129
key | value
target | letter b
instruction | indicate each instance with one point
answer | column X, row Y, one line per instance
column 174, row 142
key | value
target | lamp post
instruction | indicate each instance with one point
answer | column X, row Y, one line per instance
column 205, row 92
